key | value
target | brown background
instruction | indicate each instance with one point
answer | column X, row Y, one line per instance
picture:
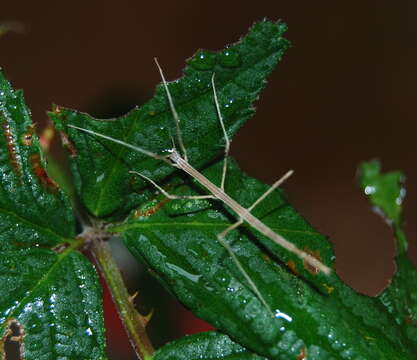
column 344, row 93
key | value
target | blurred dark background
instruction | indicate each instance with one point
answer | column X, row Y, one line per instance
column 345, row 92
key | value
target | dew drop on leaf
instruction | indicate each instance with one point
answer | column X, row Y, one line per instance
column 230, row 58
column 203, row 60
column 34, row 324
column 281, row 315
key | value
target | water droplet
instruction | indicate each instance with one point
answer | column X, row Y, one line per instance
column 229, row 103
column 100, row 178
column 34, row 325
column 399, row 199
column 230, row 58
column 201, row 84
column 184, row 273
column 370, row 190
column 203, row 60
column 281, row 315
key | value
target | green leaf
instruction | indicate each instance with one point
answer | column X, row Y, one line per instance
column 101, row 168
column 400, row 297
column 386, row 192
column 49, row 291
column 205, row 346
column 178, row 240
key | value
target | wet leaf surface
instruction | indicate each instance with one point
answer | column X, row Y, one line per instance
column 306, row 312
column 205, row 346
column 48, row 289
column 101, row 168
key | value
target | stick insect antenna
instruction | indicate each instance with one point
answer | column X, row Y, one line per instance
column 121, row 142
column 226, row 138
column 276, row 184
column 168, row 195
column 173, row 110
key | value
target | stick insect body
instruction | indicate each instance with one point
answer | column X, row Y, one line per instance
column 174, row 158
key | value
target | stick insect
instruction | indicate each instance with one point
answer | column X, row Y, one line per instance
column 179, row 159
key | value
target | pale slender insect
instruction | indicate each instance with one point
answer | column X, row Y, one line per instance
column 175, row 159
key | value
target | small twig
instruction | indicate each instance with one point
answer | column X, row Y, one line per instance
column 133, row 322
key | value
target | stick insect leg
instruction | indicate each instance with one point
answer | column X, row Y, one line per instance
column 221, row 239
column 272, row 188
column 263, row 196
column 230, row 228
column 223, row 234
column 227, row 149
column 170, row 196
column 226, row 138
column 174, row 112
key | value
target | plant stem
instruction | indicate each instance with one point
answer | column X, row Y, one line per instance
column 133, row 322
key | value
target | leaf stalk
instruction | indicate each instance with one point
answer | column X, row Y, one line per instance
column 133, row 322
